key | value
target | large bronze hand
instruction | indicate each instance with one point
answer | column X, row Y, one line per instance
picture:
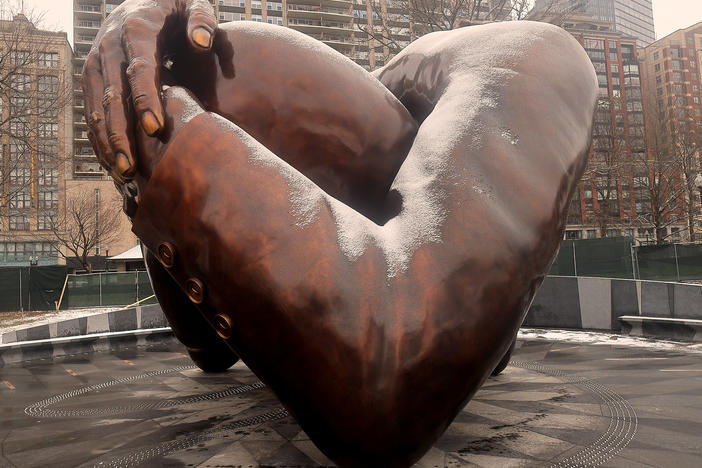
column 129, row 41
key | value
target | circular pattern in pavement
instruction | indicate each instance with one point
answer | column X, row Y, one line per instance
column 617, row 435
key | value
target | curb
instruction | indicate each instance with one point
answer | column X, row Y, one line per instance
column 134, row 318
column 48, row 349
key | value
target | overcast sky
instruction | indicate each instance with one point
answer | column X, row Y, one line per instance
column 668, row 15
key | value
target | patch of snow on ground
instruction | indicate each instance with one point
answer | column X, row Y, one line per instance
column 610, row 339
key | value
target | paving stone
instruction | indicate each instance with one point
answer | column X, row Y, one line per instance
column 149, row 407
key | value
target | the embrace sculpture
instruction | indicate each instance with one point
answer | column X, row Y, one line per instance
column 368, row 244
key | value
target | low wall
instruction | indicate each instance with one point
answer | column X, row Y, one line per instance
column 134, row 318
column 597, row 303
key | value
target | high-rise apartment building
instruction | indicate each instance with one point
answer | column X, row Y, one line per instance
column 673, row 68
column 608, row 200
column 630, row 17
column 673, row 72
column 36, row 139
column 86, row 175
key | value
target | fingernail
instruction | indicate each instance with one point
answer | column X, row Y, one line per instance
column 202, row 37
column 150, row 123
column 121, row 163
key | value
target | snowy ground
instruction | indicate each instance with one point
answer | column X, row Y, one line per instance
column 609, row 339
column 10, row 321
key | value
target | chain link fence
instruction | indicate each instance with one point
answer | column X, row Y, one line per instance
column 618, row 257
column 107, row 289
column 30, row 287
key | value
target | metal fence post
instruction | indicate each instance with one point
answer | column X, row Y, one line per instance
column 677, row 267
column 20, row 289
column 100, row 283
column 575, row 261
column 136, row 281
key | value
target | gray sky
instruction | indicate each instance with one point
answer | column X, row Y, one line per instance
column 669, row 15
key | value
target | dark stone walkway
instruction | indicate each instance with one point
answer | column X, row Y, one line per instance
column 559, row 403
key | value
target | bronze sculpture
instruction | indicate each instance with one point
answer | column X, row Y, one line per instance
column 367, row 245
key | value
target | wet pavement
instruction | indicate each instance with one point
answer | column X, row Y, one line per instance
column 559, row 403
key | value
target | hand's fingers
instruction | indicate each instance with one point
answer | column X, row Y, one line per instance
column 201, row 24
column 114, row 102
column 92, row 84
column 139, row 43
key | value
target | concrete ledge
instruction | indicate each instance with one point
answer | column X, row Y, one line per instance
column 662, row 327
column 58, row 347
column 134, row 318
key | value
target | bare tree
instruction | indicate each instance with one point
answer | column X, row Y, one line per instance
column 88, row 223
column 686, row 146
column 33, row 93
column 607, row 168
column 392, row 24
column 657, row 179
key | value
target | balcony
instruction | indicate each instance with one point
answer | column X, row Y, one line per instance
column 87, row 8
column 88, row 24
column 85, row 38
column 88, row 169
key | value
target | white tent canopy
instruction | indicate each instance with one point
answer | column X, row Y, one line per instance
column 128, row 255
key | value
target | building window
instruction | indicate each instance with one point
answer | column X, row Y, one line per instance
column 594, row 43
column 48, row 177
column 20, row 200
column 657, row 67
column 591, row 233
column 48, row 130
column 227, row 16
column 677, row 76
column 47, row 150
column 596, row 55
column 20, row 57
column 656, row 56
column 658, row 79
column 47, row 84
column 19, row 222
column 46, row 221
column 677, row 65
column 48, row 199
column 20, row 176
column 48, row 59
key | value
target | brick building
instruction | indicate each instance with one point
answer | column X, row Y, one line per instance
column 673, row 71
column 36, row 139
column 609, row 201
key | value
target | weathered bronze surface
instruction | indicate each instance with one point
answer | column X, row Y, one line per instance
column 367, row 244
